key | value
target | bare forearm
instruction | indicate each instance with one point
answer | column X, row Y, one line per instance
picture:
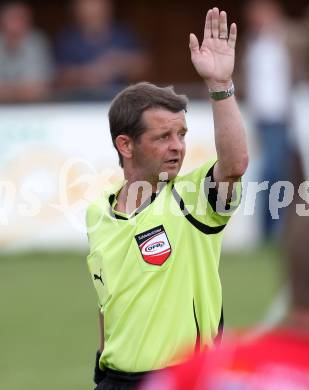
column 214, row 61
column 230, row 139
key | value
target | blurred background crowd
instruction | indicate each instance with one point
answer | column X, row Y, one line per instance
column 89, row 49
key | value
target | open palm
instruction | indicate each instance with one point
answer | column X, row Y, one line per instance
column 214, row 60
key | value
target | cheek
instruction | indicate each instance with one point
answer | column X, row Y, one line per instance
column 183, row 150
column 160, row 152
column 155, row 157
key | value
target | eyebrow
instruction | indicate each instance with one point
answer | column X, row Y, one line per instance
column 185, row 129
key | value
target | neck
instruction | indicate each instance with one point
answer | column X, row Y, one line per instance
column 135, row 192
column 133, row 195
column 134, row 178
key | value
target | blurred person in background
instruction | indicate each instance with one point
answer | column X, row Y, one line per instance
column 279, row 359
column 268, row 87
column 96, row 56
column 25, row 60
column 298, row 44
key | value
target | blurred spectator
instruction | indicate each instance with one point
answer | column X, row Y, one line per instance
column 268, row 90
column 96, row 56
column 25, row 64
column 298, row 43
column 276, row 360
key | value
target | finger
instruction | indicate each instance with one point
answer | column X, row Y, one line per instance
column 223, row 31
column 215, row 23
column 233, row 36
column 194, row 45
column 207, row 29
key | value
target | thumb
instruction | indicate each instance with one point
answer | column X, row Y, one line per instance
column 194, row 45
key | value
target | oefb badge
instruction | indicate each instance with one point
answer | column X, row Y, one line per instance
column 154, row 245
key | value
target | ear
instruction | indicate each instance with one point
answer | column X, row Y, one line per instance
column 124, row 145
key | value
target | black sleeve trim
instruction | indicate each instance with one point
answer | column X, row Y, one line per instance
column 195, row 222
column 99, row 375
column 212, row 194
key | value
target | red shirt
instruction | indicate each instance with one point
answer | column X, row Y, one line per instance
column 277, row 361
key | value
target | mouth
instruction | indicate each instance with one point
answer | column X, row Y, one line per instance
column 172, row 161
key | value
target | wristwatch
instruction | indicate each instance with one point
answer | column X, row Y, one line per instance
column 220, row 95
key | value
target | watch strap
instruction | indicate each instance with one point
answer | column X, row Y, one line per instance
column 221, row 95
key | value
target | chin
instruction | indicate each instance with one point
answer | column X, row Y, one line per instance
column 171, row 173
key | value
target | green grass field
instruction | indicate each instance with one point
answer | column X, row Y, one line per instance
column 48, row 327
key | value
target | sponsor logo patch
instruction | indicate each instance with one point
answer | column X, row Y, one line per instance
column 154, row 245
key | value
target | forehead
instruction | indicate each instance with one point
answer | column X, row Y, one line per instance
column 164, row 120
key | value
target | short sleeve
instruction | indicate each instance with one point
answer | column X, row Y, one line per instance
column 200, row 196
column 96, row 269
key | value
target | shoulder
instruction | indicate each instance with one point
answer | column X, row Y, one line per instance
column 98, row 207
column 93, row 210
column 94, row 216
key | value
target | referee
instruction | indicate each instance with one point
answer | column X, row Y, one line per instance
column 155, row 238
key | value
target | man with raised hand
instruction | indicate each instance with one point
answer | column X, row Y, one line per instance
column 155, row 238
